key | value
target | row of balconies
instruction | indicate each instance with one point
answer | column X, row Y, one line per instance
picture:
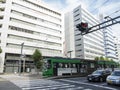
column 25, row 35
column 2, row 1
column 32, row 22
column 37, row 15
column 35, row 36
column 26, row 4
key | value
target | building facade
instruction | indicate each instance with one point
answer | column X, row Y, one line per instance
column 117, row 48
column 30, row 22
column 109, row 44
column 88, row 46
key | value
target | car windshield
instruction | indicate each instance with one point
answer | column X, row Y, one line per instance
column 116, row 73
column 97, row 72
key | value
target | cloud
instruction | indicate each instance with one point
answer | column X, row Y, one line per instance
column 110, row 8
column 105, row 7
column 71, row 4
column 63, row 5
column 116, row 30
column 56, row 4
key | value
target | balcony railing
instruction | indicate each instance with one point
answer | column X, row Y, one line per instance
column 3, row 1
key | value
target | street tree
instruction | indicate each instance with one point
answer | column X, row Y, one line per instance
column 96, row 58
column 37, row 59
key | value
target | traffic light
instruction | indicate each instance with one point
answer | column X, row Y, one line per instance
column 83, row 27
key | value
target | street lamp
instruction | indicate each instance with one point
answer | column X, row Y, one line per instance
column 20, row 58
column 70, row 52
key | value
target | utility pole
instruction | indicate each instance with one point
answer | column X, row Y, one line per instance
column 24, row 56
column 85, row 30
column 20, row 58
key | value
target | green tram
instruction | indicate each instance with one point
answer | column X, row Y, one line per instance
column 58, row 66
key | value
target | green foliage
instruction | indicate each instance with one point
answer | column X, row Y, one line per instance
column 96, row 58
column 102, row 58
column 107, row 59
column 37, row 57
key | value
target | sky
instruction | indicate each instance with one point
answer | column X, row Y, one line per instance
column 106, row 7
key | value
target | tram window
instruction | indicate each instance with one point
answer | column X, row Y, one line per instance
column 66, row 65
column 63, row 65
column 69, row 65
column 49, row 64
column 54, row 65
column 92, row 65
column 74, row 66
column 60, row 65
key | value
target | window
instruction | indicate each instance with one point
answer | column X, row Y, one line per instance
column 76, row 10
column 20, row 29
column 76, row 15
column 77, row 19
column 2, row 1
column 2, row 9
column 1, row 17
column 0, row 25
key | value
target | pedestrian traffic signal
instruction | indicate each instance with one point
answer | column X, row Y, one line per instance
column 83, row 27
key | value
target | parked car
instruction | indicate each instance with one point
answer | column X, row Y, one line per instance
column 99, row 75
column 114, row 78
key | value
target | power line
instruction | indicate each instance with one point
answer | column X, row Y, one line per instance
column 114, row 12
column 92, row 3
column 100, row 5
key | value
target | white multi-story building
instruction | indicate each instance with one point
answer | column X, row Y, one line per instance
column 31, row 22
column 88, row 46
column 109, row 42
column 117, row 49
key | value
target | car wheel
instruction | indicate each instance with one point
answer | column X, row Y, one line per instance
column 89, row 80
column 108, row 83
column 101, row 79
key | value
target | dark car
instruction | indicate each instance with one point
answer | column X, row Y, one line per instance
column 99, row 75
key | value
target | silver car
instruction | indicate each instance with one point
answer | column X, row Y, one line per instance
column 114, row 78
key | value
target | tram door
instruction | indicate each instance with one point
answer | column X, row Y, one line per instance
column 55, row 70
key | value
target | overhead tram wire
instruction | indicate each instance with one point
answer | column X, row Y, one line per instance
column 100, row 6
column 114, row 12
column 93, row 2
column 108, row 16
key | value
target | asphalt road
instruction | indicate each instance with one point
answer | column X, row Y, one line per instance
column 78, row 83
column 82, row 81
column 7, row 85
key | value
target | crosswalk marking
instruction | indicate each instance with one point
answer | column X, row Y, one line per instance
column 42, row 84
column 2, row 79
column 110, row 88
column 50, row 87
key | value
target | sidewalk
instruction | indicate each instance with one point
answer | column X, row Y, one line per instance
column 25, row 76
column 28, row 76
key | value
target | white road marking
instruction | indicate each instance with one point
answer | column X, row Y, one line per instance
column 49, row 87
column 103, row 84
column 87, row 89
column 89, row 84
column 42, row 84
